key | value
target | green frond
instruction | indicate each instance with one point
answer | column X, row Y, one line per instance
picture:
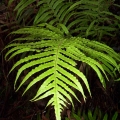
column 54, row 12
column 49, row 9
column 33, row 71
column 22, row 51
column 83, row 17
column 37, row 31
column 30, row 57
column 21, row 6
column 54, row 61
column 88, row 60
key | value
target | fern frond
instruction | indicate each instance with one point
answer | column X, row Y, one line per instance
column 55, row 59
column 51, row 10
column 22, row 5
column 83, row 17
column 36, row 31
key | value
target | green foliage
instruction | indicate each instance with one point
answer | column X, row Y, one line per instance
column 83, row 18
column 49, row 49
column 54, row 58
column 97, row 114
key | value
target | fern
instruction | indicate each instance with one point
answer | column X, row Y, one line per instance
column 83, row 18
column 55, row 59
